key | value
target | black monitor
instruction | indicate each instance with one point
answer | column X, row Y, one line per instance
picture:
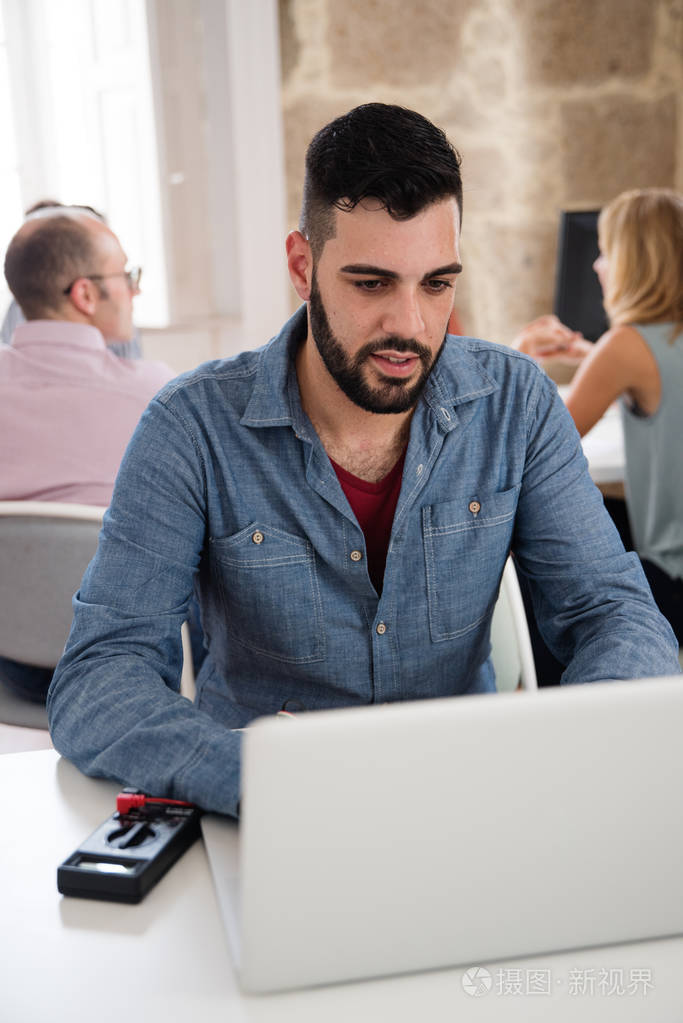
column 578, row 295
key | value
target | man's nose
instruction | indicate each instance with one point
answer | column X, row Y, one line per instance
column 403, row 314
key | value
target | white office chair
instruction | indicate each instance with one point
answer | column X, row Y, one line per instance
column 45, row 548
column 511, row 652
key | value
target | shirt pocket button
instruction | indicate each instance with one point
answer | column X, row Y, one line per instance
column 257, row 537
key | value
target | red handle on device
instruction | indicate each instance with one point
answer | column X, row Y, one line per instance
column 127, row 801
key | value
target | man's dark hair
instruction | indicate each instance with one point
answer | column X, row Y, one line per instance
column 376, row 151
column 43, row 259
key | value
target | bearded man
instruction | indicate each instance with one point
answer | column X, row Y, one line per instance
column 343, row 500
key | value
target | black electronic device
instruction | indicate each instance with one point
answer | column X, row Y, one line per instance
column 131, row 850
column 578, row 295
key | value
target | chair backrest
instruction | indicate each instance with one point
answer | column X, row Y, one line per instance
column 511, row 652
column 45, row 548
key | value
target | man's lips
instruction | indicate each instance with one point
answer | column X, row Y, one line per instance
column 395, row 364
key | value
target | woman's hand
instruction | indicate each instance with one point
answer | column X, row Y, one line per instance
column 548, row 338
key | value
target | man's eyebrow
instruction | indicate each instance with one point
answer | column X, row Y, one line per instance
column 367, row 270
column 450, row 268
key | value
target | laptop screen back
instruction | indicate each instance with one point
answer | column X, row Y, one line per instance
column 390, row 839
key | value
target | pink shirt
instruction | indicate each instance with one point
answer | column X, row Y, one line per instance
column 68, row 408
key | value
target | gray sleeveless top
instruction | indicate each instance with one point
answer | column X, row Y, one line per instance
column 654, row 458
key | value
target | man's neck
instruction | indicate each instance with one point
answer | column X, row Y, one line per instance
column 369, row 458
column 366, row 444
column 66, row 314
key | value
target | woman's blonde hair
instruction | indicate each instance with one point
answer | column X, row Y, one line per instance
column 641, row 234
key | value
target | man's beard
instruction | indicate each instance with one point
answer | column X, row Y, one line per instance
column 389, row 396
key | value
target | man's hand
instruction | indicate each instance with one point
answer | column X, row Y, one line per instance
column 548, row 338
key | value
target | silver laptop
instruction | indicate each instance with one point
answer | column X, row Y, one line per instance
column 405, row 837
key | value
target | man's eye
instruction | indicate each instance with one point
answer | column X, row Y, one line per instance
column 369, row 285
column 438, row 285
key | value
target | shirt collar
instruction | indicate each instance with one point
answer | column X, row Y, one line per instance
column 457, row 378
column 57, row 332
column 275, row 397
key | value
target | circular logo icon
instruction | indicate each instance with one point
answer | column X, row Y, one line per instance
column 476, row 981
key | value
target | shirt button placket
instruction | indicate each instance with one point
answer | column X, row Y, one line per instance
column 386, row 686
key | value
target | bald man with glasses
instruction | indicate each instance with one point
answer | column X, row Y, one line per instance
column 68, row 405
column 14, row 316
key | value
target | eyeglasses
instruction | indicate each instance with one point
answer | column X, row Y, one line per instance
column 132, row 278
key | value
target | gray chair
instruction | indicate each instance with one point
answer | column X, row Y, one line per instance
column 511, row 652
column 44, row 549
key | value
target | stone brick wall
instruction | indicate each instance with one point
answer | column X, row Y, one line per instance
column 553, row 104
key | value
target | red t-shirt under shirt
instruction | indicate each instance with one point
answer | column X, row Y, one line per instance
column 374, row 505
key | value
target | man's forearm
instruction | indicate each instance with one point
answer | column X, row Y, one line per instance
column 111, row 722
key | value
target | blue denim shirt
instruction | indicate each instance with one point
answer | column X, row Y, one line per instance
column 227, row 490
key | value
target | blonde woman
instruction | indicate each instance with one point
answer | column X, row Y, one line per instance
column 640, row 361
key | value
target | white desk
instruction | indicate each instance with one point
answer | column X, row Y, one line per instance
column 166, row 959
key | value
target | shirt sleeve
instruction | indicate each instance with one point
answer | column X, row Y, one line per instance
column 114, row 706
column 592, row 602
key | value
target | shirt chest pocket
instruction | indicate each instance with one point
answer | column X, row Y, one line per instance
column 466, row 543
column 269, row 591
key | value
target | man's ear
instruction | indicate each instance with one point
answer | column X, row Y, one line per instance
column 300, row 264
column 84, row 296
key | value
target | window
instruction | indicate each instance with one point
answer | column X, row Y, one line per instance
column 83, row 123
column 166, row 117
column 10, row 188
